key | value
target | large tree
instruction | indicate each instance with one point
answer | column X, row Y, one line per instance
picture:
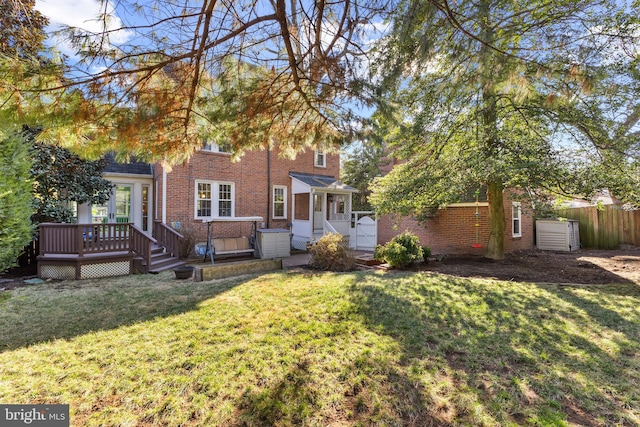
column 60, row 178
column 15, row 200
column 21, row 37
column 251, row 72
column 362, row 163
column 538, row 95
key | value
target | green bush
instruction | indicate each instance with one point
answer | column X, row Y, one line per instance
column 401, row 251
column 16, row 187
column 331, row 253
column 426, row 253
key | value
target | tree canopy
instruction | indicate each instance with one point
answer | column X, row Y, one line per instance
column 536, row 95
column 21, row 37
column 15, row 200
column 251, row 72
column 61, row 177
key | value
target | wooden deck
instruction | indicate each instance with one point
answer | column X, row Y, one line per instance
column 78, row 251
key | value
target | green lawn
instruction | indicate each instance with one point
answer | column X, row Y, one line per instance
column 295, row 348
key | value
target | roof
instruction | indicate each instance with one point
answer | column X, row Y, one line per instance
column 133, row 167
column 321, row 182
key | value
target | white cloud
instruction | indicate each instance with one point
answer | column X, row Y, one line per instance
column 82, row 14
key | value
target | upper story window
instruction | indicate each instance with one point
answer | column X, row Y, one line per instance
column 214, row 147
column 516, row 219
column 320, row 159
column 214, row 199
column 279, row 201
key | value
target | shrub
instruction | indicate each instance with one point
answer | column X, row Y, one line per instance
column 16, row 189
column 330, row 253
column 186, row 246
column 401, row 251
column 426, row 253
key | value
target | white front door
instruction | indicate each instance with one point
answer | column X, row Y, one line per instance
column 318, row 217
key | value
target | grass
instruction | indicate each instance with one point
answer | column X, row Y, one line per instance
column 301, row 348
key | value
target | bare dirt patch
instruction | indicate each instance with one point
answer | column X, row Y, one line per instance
column 17, row 277
column 579, row 267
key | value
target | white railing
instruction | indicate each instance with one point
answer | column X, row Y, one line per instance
column 327, row 227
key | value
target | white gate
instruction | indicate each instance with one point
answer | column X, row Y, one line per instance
column 364, row 231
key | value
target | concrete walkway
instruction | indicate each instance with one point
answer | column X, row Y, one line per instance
column 296, row 259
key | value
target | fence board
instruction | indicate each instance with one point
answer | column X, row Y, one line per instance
column 605, row 228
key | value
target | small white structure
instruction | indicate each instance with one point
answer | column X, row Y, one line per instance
column 274, row 242
column 321, row 205
column 557, row 235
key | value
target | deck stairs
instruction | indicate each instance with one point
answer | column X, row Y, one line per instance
column 161, row 260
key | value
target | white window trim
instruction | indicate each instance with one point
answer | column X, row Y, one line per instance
column 273, row 207
column 213, row 147
column 215, row 198
column 324, row 159
column 514, row 219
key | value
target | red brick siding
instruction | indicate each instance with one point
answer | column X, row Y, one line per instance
column 453, row 230
column 250, row 178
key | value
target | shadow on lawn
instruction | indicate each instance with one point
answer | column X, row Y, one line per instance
column 72, row 308
column 507, row 350
column 294, row 401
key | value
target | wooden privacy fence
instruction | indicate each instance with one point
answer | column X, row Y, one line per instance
column 606, row 227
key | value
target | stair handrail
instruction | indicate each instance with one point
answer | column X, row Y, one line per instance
column 140, row 243
column 168, row 237
column 328, row 227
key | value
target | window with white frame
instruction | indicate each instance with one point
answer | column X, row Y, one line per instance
column 279, row 201
column 516, row 219
column 214, row 199
column 320, row 159
column 214, row 147
column 225, row 199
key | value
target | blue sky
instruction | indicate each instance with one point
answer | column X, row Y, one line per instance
column 76, row 13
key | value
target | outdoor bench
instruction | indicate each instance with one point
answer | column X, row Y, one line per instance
column 232, row 246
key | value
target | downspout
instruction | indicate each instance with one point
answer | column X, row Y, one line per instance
column 164, row 193
column 269, row 193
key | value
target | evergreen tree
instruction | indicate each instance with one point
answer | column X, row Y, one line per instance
column 16, row 230
column 21, row 37
column 360, row 166
column 507, row 94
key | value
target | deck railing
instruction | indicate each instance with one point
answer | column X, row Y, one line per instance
column 167, row 237
column 86, row 239
column 140, row 243
column 83, row 239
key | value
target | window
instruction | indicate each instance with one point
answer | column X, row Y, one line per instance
column 516, row 218
column 225, row 200
column 223, row 147
column 279, row 201
column 203, row 199
column 214, row 199
column 145, row 208
column 320, row 159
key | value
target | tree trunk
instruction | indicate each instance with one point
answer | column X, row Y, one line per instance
column 497, row 221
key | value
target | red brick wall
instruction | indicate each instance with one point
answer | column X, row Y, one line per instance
column 251, row 193
column 453, row 230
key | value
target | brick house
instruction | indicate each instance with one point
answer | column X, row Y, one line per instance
column 262, row 196
column 301, row 195
column 453, row 230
